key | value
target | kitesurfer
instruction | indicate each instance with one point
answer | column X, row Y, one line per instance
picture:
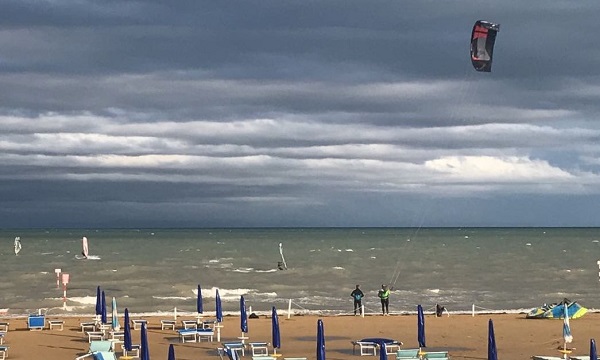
column 384, row 295
column 357, row 295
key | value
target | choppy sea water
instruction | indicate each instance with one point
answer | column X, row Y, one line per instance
column 156, row 270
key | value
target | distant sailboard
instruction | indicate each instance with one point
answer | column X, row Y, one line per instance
column 281, row 265
column 85, row 251
column 17, row 245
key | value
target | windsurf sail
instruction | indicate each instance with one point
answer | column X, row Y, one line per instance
column 282, row 265
column 483, row 39
column 84, row 243
column 17, row 245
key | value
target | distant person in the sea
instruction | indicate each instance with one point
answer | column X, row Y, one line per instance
column 384, row 295
column 357, row 295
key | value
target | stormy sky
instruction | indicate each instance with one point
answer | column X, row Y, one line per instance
column 206, row 113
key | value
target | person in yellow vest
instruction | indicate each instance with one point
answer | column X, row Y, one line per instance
column 384, row 295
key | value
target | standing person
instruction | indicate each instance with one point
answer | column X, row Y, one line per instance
column 384, row 295
column 357, row 295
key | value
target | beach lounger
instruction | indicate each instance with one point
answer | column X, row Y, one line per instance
column 36, row 322
column 87, row 326
column 204, row 334
column 407, row 354
column 264, row 358
column 189, row 324
column 542, row 357
column 4, row 326
column 2, row 335
column 366, row 347
column 259, row 349
column 437, row 355
column 60, row 324
column 167, row 324
column 134, row 352
column 95, row 335
column 105, row 355
column 236, row 346
column 294, row 358
column 188, row 335
column 137, row 323
column 580, row 357
column 3, row 352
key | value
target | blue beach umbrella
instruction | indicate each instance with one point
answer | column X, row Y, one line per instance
column 144, row 348
column 276, row 336
column 104, row 319
column 492, row 353
column 382, row 351
column 219, row 308
column 127, row 332
column 115, row 318
column 243, row 316
column 199, row 308
column 420, row 326
column 593, row 353
column 98, row 301
column 320, row 340
column 171, row 352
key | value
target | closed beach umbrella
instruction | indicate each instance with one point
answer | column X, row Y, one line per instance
column 126, row 332
column 98, row 301
column 171, row 352
column 219, row 307
column 320, row 340
column 199, row 308
column 104, row 319
column 144, row 348
column 115, row 318
column 243, row 316
column 492, row 353
column 276, row 338
column 420, row 326
column 566, row 327
column 593, row 354
column 382, row 351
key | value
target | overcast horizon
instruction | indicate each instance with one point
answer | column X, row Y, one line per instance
column 269, row 113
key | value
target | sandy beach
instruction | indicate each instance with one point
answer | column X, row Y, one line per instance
column 464, row 336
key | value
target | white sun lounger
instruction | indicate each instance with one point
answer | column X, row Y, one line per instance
column 3, row 352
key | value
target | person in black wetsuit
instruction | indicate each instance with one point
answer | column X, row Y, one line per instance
column 357, row 295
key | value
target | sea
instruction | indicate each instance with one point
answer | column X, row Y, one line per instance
column 157, row 271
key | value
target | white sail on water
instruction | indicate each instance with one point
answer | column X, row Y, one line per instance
column 84, row 243
column 282, row 258
column 17, row 245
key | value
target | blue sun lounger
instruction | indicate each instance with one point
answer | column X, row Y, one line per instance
column 36, row 322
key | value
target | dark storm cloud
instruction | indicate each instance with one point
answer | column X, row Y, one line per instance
column 324, row 113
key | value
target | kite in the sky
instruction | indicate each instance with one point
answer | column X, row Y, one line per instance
column 482, row 45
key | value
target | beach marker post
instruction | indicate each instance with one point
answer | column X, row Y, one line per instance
column 362, row 311
column 57, row 272
column 65, row 281
column 289, row 309
column 598, row 262
column 472, row 311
